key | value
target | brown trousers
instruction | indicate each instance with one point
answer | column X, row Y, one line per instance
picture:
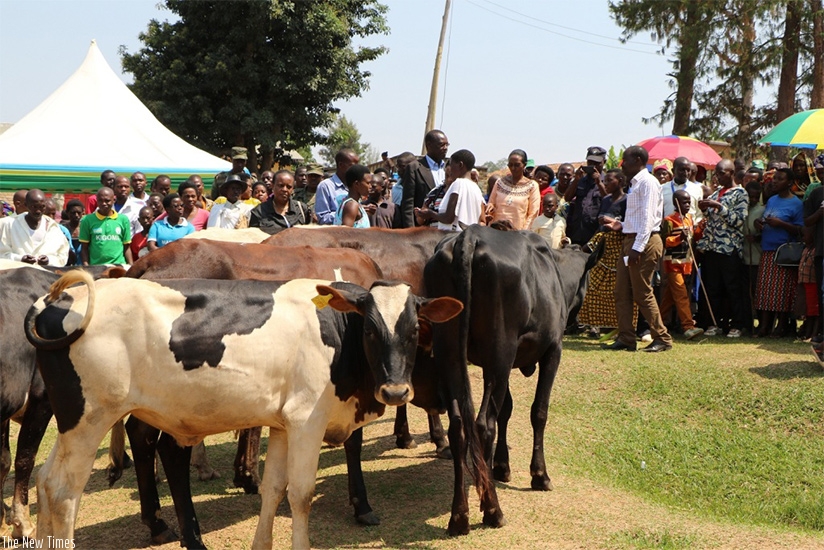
column 634, row 284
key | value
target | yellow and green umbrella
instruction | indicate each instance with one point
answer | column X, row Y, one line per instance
column 804, row 130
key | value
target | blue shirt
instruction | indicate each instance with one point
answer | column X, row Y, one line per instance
column 164, row 233
column 329, row 195
column 790, row 210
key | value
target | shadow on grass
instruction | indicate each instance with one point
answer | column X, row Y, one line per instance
column 407, row 498
column 789, row 370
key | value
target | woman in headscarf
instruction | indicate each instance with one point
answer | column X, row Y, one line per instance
column 805, row 177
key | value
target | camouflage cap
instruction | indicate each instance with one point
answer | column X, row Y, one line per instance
column 240, row 153
column 314, row 169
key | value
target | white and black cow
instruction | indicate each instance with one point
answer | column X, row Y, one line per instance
column 22, row 393
column 518, row 296
column 195, row 358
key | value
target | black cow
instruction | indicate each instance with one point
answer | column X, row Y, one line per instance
column 519, row 295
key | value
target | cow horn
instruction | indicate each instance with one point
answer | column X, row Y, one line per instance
column 70, row 278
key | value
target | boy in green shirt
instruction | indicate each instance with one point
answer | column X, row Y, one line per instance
column 104, row 234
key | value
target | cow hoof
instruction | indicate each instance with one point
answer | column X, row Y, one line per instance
column 443, row 452
column 247, row 484
column 113, row 474
column 501, row 473
column 370, row 518
column 540, row 483
column 194, row 545
column 165, row 537
column 494, row 519
column 458, row 525
column 405, row 443
column 208, row 475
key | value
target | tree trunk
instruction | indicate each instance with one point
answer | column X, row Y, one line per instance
column 789, row 71
column 817, row 95
column 690, row 40
column 742, row 142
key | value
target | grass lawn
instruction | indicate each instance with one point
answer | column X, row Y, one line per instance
column 715, row 444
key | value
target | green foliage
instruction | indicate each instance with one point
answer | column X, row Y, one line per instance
column 254, row 72
column 494, row 166
column 613, row 158
column 342, row 133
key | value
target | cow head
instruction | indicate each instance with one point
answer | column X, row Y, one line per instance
column 576, row 264
column 395, row 321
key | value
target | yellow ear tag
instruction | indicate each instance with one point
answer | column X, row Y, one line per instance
column 321, row 301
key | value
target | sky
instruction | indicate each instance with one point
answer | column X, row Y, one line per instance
column 546, row 76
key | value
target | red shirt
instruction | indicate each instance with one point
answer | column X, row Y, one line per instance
column 138, row 242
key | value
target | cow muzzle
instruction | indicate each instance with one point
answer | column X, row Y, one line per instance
column 395, row 394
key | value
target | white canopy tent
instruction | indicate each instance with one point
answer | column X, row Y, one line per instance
column 91, row 123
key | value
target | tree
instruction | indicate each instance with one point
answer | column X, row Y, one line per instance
column 342, row 133
column 683, row 23
column 490, row 166
column 254, row 73
column 817, row 93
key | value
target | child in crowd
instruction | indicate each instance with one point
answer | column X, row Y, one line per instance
column 140, row 240
column 678, row 229
column 548, row 225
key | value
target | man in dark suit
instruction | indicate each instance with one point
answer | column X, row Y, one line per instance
column 423, row 174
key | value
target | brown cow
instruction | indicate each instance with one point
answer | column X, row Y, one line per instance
column 401, row 255
column 207, row 259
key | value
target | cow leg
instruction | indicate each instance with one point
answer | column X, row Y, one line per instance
column 459, row 521
column 143, row 439
column 403, row 439
column 205, row 472
column 302, row 469
column 438, row 436
column 546, row 377
column 500, row 463
column 61, row 480
column 247, row 473
column 357, row 487
column 176, row 465
column 5, row 463
column 33, row 425
column 496, row 386
column 273, row 488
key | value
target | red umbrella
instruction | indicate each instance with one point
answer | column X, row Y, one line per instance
column 672, row 147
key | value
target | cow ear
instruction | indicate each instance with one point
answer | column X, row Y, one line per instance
column 440, row 310
column 424, row 334
column 340, row 300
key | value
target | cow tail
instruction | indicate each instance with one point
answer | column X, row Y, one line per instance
column 117, row 450
column 70, row 278
column 463, row 255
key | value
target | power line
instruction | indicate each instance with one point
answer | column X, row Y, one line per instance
column 561, row 34
column 570, row 28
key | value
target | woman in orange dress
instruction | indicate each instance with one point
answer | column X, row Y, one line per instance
column 515, row 198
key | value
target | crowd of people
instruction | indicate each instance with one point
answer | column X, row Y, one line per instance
column 740, row 253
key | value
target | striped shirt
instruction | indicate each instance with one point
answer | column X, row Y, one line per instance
column 645, row 206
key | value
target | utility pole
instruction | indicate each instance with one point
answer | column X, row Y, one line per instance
column 433, row 94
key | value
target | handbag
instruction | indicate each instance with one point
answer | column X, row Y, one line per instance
column 789, row 254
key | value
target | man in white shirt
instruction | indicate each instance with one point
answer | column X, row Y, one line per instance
column 681, row 180
column 33, row 238
column 234, row 213
column 642, row 250
column 126, row 204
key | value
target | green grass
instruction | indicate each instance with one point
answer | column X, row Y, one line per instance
column 718, row 431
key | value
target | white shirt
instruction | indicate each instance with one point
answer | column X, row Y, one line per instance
column 17, row 239
column 645, row 207
column 553, row 230
column 131, row 209
column 438, row 170
column 696, row 194
column 227, row 215
column 469, row 205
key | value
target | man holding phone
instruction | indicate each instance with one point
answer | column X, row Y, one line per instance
column 584, row 197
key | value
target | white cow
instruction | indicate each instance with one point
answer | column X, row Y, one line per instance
column 187, row 359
